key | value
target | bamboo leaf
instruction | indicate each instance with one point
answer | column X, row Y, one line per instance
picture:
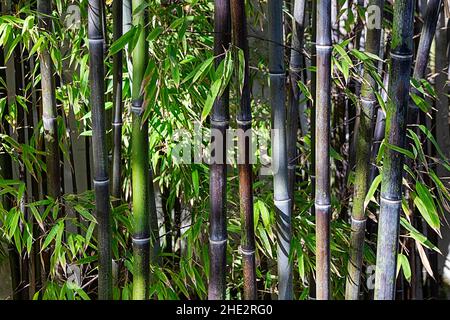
column 50, row 236
column 212, row 95
column 425, row 204
column 403, row 263
column 373, row 187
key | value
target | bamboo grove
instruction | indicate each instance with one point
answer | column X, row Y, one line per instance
column 224, row 149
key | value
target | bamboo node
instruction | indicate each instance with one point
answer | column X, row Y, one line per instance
column 358, row 221
column 140, row 240
column 322, row 206
column 101, row 182
column 391, row 201
column 246, row 251
column 244, row 122
column 401, row 56
column 217, row 241
column 323, row 47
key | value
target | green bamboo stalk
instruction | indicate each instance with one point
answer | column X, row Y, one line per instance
column 101, row 178
column 279, row 151
column 322, row 143
column 49, row 115
column 363, row 146
column 142, row 180
column 391, row 186
column 244, row 122
column 218, row 169
column 296, row 67
column 117, row 94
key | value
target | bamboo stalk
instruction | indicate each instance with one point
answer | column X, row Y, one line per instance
column 363, row 145
column 244, row 122
column 218, row 170
column 279, row 151
column 49, row 115
column 312, row 283
column 322, row 143
column 391, row 186
column 142, row 180
column 6, row 174
column 296, row 67
column 117, row 88
column 101, row 178
column 423, row 52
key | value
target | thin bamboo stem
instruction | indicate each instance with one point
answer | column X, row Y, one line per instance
column 117, row 94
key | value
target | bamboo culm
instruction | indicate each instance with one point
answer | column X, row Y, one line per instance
column 6, row 174
column 49, row 115
column 218, row 170
column 423, row 52
column 117, row 94
column 144, row 209
column 282, row 201
column 101, row 177
column 363, row 144
column 391, row 185
column 296, row 67
column 244, row 123
column 322, row 149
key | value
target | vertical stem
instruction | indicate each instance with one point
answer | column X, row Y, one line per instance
column 363, row 144
column 142, row 180
column 244, row 122
column 101, row 178
column 322, row 168
column 49, row 115
column 296, row 67
column 279, row 152
column 391, row 185
column 218, row 169
column 117, row 93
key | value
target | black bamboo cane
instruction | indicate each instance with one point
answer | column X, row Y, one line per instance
column 218, row 169
column 117, row 94
column 391, row 186
column 101, row 178
column 296, row 67
column 244, row 122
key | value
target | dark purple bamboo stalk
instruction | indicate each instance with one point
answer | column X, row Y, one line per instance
column 244, row 122
column 101, row 178
column 218, row 170
column 423, row 52
column 6, row 174
column 296, row 67
column 117, row 94
column 322, row 143
column 391, row 186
